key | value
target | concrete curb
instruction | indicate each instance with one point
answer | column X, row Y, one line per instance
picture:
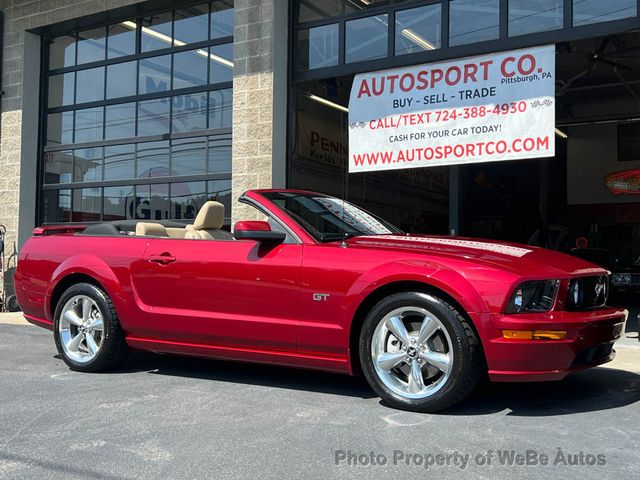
column 13, row 319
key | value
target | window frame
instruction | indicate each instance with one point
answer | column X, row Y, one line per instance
column 568, row 32
column 224, row 132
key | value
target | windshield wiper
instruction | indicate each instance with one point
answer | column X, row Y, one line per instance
column 332, row 237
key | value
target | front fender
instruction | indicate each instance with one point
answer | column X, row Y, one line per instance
column 437, row 276
column 91, row 266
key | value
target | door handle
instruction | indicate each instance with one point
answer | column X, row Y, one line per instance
column 162, row 259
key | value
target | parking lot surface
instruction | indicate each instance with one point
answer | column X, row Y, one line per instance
column 184, row 418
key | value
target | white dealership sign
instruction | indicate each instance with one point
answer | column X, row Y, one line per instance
column 478, row 109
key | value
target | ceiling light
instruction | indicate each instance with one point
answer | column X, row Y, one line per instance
column 178, row 43
column 417, row 39
column 328, row 103
column 561, row 134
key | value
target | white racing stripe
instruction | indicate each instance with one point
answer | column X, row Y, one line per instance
column 453, row 242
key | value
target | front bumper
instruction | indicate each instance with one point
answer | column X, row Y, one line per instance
column 589, row 342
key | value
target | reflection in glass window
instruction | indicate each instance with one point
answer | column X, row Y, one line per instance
column 222, row 20
column 155, row 74
column 89, row 125
column 187, row 198
column 121, row 79
column 318, row 47
column 220, row 191
column 526, row 16
column 221, row 63
column 87, row 204
column 119, row 162
column 121, row 40
column 62, row 52
column 90, row 85
column 317, row 9
column 220, row 108
column 118, row 203
column 188, row 156
column 153, row 117
column 57, row 206
column 58, row 167
column 418, row 29
column 189, row 69
column 152, row 159
column 119, row 62
column 87, row 165
column 189, row 112
column 61, row 89
column 596, row 11
column 219, row 154
column 152, row 202
column 351, row 6
column 92, row 45
column 60, row 128
column 156, row 32
column 472, row 21
column 120, row 121
column 192, row 24
column 366, row 38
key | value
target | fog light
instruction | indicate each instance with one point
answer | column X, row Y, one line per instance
column 534, row 334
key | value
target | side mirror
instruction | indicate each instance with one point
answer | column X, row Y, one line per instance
column 258, row 231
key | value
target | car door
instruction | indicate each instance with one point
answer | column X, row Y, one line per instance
column 224, row 292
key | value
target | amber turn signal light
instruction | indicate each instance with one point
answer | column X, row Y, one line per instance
column 534, row 334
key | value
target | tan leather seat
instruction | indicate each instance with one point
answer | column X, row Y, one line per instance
column 149, row 229
column 208, row 224
column 176, row 232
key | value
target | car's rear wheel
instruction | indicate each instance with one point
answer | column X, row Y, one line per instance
column 419, row 353
column 87, row 331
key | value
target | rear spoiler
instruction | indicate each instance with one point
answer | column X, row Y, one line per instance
column 58, row 230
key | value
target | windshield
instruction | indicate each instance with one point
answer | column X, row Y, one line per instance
column 328, row 218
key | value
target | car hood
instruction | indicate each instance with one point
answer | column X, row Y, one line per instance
column 521, row 259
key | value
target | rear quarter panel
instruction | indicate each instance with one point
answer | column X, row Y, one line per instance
column 114, row 262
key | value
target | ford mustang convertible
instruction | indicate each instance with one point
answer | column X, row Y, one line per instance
column 319, row 283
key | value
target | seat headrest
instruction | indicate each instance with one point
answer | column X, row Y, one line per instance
column 149, row 229
column 210, row 216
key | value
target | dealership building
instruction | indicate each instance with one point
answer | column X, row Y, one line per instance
column 123, row 109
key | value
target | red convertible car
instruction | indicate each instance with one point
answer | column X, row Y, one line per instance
column 319, row 283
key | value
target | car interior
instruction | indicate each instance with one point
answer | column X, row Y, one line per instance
column 208, row 225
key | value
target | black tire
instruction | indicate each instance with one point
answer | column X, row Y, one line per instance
column 12, row 304
column 467, row 356
column 113, row 350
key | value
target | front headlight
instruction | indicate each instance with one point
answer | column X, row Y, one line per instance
column 587, row 293
column 621, row 278
column 533, row 296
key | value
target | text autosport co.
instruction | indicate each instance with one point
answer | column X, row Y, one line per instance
column 454, row 75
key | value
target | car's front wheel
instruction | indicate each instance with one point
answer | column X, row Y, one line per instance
column 87, row 331
column 419, row 353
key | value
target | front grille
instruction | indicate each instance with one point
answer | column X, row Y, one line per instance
column 587, row 293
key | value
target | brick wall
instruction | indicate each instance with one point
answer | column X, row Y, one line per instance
column 252, row 100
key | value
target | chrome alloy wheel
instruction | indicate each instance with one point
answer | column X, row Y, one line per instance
column 81, row 328
column 412, row 352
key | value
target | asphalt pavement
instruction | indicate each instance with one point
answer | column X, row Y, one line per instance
column 182, row 418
